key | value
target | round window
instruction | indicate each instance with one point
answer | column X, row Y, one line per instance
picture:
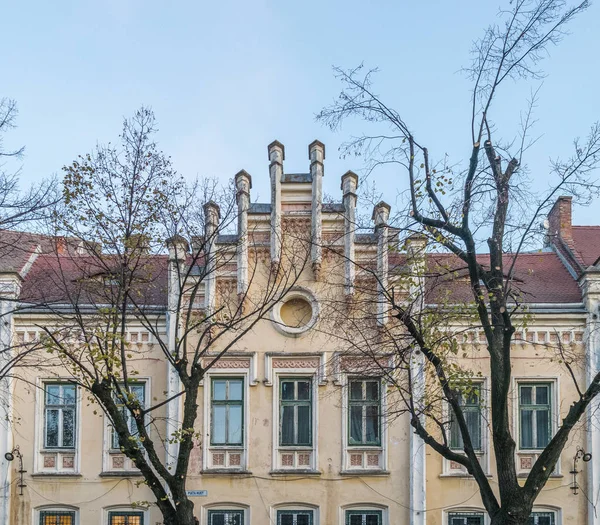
column 295, row 314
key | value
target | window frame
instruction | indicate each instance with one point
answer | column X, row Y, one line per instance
column 471, row 407
column 457, row 514
column 552, row 513
column 348, row 513
column 211, row 512
column 113, row 512
column 296, row 403
column 551, row 408
column 308, row 512
column 60, row 407
column 241, row 403
column 130, row 421
column 364, row 403
column 64, row 511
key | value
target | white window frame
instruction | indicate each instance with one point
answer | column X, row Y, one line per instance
column 225, row 506
column 346, row 447
column 278, row 376
column 385, row 516
column 39, row 430
column 465, row 510
column 555, row 417
column 484, row 453
column 107, row 450
column 207, row 447
column 124, row 508
column 292, row 507
column 37, row 512
column 557, row 512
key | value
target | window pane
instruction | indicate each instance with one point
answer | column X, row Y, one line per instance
column 303, row 390
column 526, row 398
column 218, row 429
column 456, row 441
column 52, row 428
column 372, row 519
column 217, row 519
column 219, row 388
column 139, row 392
column 356, row 520
column 541, row 395
column 356, row 434
column 473, row 419
column 53, row 395
column 235, row 424
column 356, row 390
column 68, row 427
column 287, row 425
column 303, row 519
column 526, row 429
column 542, row 427
column 68, row 395
column 287, row 390
column 286, row 519
column 372, row 390
column 372, row 424
column 235, row 390
column 304, row 424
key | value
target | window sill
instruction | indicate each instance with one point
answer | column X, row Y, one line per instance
column 120, row 474
column 225, row 472
column 56, row 475
column 295, row 472
column 462, row 475
column 365, row 472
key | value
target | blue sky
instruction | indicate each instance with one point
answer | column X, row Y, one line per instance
column 226, row 78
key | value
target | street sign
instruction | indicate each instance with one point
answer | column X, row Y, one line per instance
column 196, row 493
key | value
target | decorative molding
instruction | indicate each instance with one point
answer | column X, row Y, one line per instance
column 300, row 362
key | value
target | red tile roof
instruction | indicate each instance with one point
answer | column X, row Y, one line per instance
column 587, row 243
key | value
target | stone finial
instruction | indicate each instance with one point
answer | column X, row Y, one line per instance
column 381, row 213
column 243, row 182
column 316, row 151
column 276, row 151
column 349, row 183
column 178, row 248
column 212, row 215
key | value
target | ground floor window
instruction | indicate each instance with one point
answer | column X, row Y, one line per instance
column 465, row 518
column 125, row 518
column 225, row 517
column 364, row 517
column 294, row 517
column 57, row 517
column 542, row 518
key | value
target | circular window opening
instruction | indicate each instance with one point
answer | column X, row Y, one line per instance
column 296, row 313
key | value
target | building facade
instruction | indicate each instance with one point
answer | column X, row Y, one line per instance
column 292, row 430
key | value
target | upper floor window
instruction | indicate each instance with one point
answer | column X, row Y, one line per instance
column 294, row 517
column 295, row 414
column 542, row 518
column 470, row 403
column 364, row 412
column 535, row 415
column 60, row 411
column 125, row 518
column 465, row 518
column 138, row 391
column 364, row 517
column 227, row 412
column 225, row 517
column 57, row 517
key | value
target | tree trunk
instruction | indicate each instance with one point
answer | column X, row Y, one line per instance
column 511, row 516
column 184, row 514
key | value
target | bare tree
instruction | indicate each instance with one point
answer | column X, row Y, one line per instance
column 481, row 216
column 122, row 205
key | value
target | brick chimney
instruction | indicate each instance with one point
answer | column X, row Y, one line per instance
column 559, row 220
